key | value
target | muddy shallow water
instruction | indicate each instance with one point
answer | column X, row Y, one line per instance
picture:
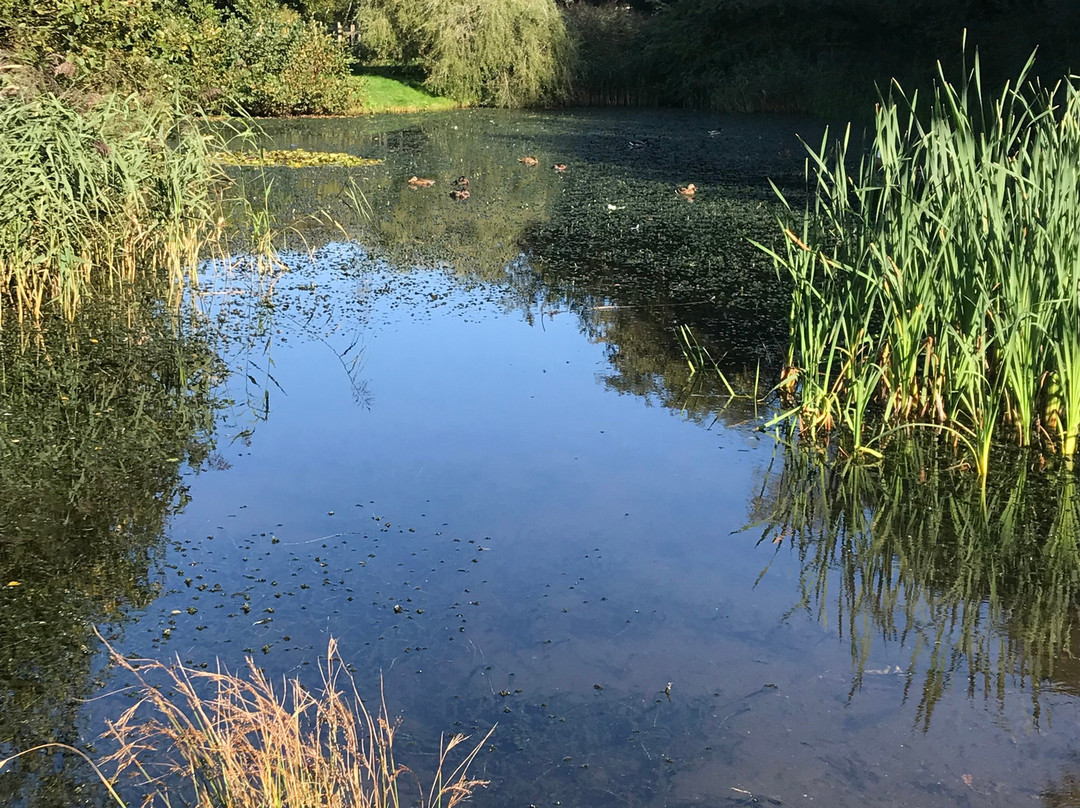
column 471, row 451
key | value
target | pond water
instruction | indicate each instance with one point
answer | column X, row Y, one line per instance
column 467, row 445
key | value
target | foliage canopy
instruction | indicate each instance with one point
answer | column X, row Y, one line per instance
column 493, row 52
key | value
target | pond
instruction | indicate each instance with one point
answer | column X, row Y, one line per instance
column 466, row 444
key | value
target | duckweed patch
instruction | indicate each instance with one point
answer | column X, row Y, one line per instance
column 293, row 158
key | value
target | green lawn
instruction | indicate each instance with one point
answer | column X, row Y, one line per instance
column 381, row 93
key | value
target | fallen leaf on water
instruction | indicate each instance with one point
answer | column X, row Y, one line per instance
column 14, row 583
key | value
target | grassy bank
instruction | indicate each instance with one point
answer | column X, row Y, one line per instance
column 938, row 283
column 376, row 91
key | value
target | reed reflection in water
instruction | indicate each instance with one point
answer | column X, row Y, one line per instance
column 908, row 552
column 98, row 421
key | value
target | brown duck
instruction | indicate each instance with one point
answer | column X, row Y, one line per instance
column 459, row 194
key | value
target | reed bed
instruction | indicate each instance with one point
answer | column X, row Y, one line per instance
column 937, row 276
column 215, row 739
column 95, row 190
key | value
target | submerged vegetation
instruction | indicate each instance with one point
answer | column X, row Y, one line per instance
column 293, row 158
column 936, row 287
column 938, row 283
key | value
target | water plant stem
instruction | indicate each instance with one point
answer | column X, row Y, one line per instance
column 940, row 280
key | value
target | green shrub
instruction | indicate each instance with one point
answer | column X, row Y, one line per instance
column 505, row 53
column 268, row 61
column 508, row 53
column 393, row 30
column 257, row 55
column 93, row 43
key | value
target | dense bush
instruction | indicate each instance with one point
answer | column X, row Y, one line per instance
column 94, row 43
column 507, row 53
column 255, row 55
column 267, row 60
column 393, row 30
column 610, row 65
column 802, row 55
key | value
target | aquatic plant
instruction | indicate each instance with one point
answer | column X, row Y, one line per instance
column 939, row 282
column 96, row 192
column 292, row 158
column 248, row 743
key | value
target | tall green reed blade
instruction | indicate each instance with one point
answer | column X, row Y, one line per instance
column 97, row 192
column 940, row 280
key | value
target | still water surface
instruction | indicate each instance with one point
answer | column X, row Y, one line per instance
column 471, row 452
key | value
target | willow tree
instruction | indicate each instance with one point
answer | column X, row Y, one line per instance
column 393, row 30
column 505, row 53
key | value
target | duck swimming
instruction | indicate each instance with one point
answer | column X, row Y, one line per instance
column 687, row 191
column 529, row 161
column 560, row 167
column 459, row 194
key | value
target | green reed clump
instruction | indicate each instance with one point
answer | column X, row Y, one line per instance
column 939, row 282
column 93, row 191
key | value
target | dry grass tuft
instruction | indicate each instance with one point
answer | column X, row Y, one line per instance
column 220, row 740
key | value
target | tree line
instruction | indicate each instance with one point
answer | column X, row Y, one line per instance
column 791, row 55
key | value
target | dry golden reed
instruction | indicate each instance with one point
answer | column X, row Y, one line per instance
column 215, row 739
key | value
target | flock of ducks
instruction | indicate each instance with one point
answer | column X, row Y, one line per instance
column 460, row 190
